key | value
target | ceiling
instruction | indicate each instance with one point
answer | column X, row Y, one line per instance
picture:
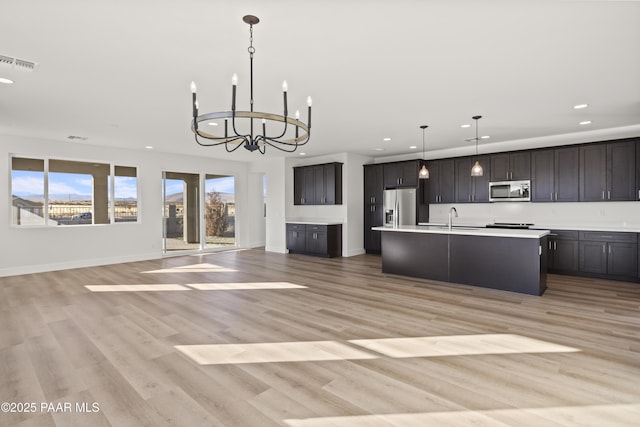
column 117, row 73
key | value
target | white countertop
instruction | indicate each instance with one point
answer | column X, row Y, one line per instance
column 471, row 231
column 314, row 221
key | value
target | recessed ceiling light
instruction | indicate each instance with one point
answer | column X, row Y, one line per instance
column 387, row 139
column 379, row 149
column 413, row 147
column 303, row 154
column 586, row 122
column 579, row 106
column 6, row 81
column 485, row 137
column 465, row 126
column 148, row 147
column 213, row 124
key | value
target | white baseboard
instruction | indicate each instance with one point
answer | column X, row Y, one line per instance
column 354, row 252
column 42, row 268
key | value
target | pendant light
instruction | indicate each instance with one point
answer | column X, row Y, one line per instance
column 477, row 170
column 424, row 172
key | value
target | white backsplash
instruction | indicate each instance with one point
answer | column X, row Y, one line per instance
column 587, row 214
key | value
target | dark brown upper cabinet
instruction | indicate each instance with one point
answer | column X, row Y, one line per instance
column 555, row 175
column 472, row 189
column 318, row 184
column 511, row 166
column 440, row 186
column 401, row 174
column 608, row 172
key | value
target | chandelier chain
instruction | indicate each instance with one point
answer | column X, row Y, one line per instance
column 251, row 49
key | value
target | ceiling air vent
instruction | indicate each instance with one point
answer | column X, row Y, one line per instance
column 75, row 137
column 19, row 64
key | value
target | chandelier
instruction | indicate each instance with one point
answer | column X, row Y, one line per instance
column 288, row 136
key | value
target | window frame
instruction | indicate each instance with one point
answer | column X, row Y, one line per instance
column 46, row 203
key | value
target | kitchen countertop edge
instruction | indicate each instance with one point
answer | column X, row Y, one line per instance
column 485, row 232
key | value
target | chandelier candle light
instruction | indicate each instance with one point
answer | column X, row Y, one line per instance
column 252, row 141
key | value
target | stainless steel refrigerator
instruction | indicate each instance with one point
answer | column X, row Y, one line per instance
column 399, row 207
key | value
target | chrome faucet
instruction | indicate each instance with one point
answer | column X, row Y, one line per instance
column 451, row 212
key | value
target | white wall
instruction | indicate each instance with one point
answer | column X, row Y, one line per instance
column 26, row 250
column 350, row 212
column 275, row 233
column 257, row 220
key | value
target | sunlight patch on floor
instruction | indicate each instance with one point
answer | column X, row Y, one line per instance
column 215, row 354
column 136, row 288
column 195, row 268
column 614, row 415
column 243, row 286
column 460, row 345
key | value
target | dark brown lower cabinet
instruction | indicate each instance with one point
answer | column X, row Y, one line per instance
column 315, row 239
column 373, row 217
column 563, row 252
column 609, row 255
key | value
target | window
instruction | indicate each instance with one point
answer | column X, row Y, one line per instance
column 64, row 192
column 27, row 191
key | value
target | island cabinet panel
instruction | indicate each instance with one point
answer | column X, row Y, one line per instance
column 441, row 186
column 507, row 263
column 415, row 255
column 522, row 267
column 511, row 166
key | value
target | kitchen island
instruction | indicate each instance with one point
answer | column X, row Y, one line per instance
column 510, row 260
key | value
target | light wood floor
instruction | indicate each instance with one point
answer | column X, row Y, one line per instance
column 299, row 341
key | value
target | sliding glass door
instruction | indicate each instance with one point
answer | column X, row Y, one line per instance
column 220, row 211
column 198, row 211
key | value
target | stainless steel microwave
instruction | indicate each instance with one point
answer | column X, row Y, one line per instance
column 510, row 191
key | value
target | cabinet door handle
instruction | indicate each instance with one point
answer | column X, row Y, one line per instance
column 609, row 195
column 609, row 249
column 469, row 197
column 549, row 244
column 556, row 196
column 604, row 249
column 555, row 245
column 551, row 196
column 602, row 194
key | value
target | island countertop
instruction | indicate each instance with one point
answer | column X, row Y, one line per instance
column 467, row 231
